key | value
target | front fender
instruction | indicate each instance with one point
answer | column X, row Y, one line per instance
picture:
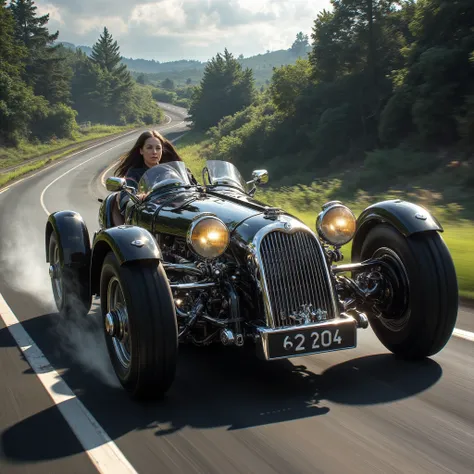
column 129, row 243
column 73, row 238
column 408, row 218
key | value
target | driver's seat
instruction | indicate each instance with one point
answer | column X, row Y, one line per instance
column 113, row 217
column 117, row 218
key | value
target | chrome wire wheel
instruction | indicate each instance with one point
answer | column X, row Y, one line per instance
column 55, row 275
column 116, row 322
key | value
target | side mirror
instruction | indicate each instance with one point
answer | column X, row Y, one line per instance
column 260, row 176
column 115, row 184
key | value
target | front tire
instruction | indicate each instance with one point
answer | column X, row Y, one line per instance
column 140, row 326
column 423, row 314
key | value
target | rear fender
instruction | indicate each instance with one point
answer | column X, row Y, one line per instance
column 73, row 238
column 408, row 218
column 128, row 243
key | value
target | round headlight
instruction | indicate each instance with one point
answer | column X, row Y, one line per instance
column 209, row 237
column 336, row 225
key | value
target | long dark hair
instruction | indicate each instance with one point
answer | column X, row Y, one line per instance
column 134, row 159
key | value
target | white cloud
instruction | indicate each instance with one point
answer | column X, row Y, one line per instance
column 52, row 10
column 84, row 26
column 156, row 17
column 184, row 29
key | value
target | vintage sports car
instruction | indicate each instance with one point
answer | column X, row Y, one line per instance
column 205, row 263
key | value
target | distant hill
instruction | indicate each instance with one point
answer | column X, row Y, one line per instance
column 86, row 49
column 188, row 71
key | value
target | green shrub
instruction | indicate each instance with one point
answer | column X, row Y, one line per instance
column 58, row 121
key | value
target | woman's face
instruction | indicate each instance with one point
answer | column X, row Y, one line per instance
column 152, row 151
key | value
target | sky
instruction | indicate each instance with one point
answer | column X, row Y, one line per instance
column 169, row 30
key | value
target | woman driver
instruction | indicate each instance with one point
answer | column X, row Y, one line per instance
column 150, row 149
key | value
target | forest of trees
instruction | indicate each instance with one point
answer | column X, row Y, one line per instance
column 388, row 84
column 381, row 83
column 185, row 72
column 46, row 89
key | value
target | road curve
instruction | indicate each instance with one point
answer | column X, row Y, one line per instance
column 359, row 411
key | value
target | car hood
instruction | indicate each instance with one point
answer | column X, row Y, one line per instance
column 173, row 213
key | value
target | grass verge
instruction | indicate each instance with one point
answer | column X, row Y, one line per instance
column 305, row 203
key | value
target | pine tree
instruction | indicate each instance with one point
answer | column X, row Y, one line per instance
column 17, row 102
column 106, row 54
column 300, row 45
column 224, row 90
column 45, row 67
column 115, row 82
column 12, row 53
column 30, row 28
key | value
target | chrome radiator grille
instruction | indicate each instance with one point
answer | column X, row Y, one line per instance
column 295, row 276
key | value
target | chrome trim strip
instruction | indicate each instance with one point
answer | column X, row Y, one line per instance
column 191, row 286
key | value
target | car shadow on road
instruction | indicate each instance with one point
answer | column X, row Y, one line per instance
column 214, row 387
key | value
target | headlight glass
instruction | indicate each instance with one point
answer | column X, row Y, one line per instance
column 209, row 237
column 336, row 225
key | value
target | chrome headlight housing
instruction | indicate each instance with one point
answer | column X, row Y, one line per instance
column 336, row 224
column 208, row 237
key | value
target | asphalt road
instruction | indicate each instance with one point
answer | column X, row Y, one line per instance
column 359, row 411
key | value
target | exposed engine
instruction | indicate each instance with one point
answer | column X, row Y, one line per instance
column 206, row 295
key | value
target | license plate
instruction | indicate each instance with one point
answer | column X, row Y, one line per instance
column 316, row 339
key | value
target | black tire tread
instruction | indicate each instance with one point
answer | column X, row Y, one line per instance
column 153, row 326
column 77, row 299
column 433, row 292
column 446, row 273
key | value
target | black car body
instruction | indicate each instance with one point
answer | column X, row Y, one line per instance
column 206, row 263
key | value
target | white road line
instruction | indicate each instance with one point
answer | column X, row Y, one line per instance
column 102, row 178
column 102, row 451
column 77, row 153
column 63, row 160
column 467, row 335
column 72, row 169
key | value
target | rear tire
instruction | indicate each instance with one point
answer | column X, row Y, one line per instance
column 143, row 340
column 425, row 322
column 71, row 293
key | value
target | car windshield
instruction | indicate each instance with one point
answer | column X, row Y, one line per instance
column 164, row 177
column 223, row 173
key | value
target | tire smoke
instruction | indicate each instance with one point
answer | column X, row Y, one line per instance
column 23, row 262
